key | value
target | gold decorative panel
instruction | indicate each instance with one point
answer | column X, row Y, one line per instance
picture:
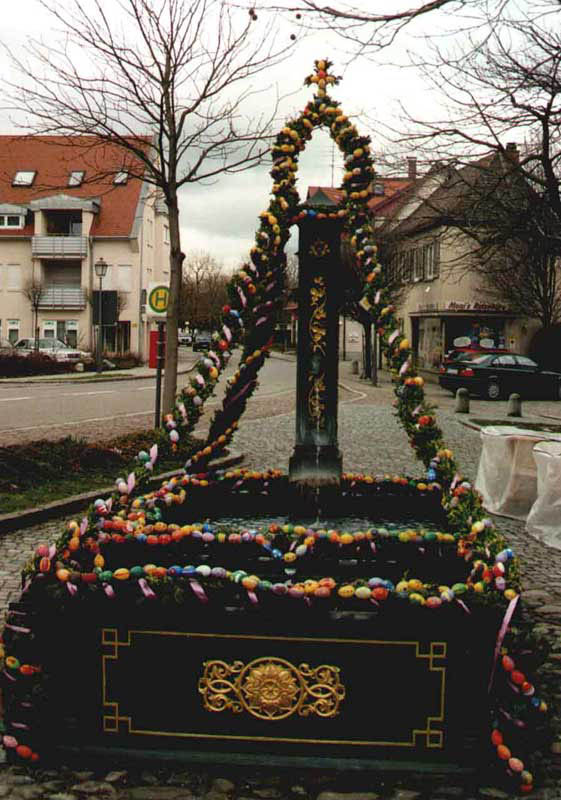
column 271, row 688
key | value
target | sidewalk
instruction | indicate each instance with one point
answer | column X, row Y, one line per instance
column 135, row 373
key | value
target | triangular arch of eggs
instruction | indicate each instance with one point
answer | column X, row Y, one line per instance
column 76, row 564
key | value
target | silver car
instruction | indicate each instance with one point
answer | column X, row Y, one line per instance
column 53, row 348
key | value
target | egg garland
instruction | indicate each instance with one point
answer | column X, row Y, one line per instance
column 77, row 567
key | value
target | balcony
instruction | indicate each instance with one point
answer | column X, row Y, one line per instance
column 59, row 246
column 69, row 297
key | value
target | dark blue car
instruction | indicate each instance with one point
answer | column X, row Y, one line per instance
column 497, row 376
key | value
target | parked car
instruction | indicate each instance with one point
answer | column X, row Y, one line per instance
column 6, row 347
column 49, row 347
column 202, row 340
column 184, row 338
column 495, row 376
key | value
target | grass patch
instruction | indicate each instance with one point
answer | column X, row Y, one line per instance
column 544, row 427
column 43, row 471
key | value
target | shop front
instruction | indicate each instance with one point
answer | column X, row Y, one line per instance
column 435, row 331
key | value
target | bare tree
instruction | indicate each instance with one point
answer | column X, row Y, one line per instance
column 33, row 290
column 179, row 70
column 364, row 28
column 203, row 292
column 507, row 201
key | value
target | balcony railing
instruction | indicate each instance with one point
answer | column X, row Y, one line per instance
column 72, row 297
column 59, row 246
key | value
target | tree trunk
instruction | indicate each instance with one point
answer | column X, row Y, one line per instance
column 175, row 274
column 367, row 350
column 374, row 357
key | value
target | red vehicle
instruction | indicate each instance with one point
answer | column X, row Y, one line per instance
column 461, row 352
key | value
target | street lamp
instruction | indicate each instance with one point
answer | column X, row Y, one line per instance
column 100, row 267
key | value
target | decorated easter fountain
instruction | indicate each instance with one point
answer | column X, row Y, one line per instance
column 223, row 615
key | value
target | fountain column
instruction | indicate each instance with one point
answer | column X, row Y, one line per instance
column 316, row 461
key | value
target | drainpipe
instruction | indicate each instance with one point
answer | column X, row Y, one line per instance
column 90, row 289
column 141, row 332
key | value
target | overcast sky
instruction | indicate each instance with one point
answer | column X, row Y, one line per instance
column 221, row 218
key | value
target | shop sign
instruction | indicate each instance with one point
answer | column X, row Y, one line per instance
column 455, row 305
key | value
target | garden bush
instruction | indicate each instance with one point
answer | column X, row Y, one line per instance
column 16, row 366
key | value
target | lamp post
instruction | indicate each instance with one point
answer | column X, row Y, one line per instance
column 100, row 267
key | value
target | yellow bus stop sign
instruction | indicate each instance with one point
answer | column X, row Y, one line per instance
column 158, row 298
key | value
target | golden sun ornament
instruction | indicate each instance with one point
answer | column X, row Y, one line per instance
column 270, row 690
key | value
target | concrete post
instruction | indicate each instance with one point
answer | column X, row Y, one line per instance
column 462, row 401
column 514, row 408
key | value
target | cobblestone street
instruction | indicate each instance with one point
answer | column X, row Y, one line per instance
column 371, row 441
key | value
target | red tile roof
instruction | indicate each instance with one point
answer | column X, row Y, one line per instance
column 54, row 158
column 392, row 187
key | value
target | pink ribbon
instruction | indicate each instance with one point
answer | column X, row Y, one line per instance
column 253, row 597
column 198, row 590
column 146, row 590
column 501, row 635
column 242, row 297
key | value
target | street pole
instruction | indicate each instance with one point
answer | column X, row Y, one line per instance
column 100, row 267
column 100, row 329
column 159, row 366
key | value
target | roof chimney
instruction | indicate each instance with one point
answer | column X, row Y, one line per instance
column 512, row 152
column 411, row 168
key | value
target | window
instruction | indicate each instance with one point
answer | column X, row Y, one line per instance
column 76, row 177
column 432, row 256
column 504, row 361
column 121, row 178
column 13, row 330
column 24, row 178
column 14, row 277
column 166, row 234
column 524, row 361
column 11, row 221
column 420, row 262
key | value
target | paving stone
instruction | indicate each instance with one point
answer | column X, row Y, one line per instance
column 94, row 789
column 29, row 792
column 159, row 793
column 63, row 796
column 223, row 785
column 491, row 793
column 536, row 597
column 5, row 789
column 348, row 796
column 116, row 776
column 406, row 794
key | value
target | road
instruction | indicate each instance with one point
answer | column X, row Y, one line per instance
column 101, row 411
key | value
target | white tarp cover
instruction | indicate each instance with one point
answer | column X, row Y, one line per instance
column 507, row 474
column 544, row 519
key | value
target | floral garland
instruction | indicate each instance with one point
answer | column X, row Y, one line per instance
column 77, row 564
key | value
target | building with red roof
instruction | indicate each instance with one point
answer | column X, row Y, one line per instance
column 65, row 203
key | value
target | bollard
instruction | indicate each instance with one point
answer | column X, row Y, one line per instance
column 514, row 408
column 354, row 367
column 462, row 401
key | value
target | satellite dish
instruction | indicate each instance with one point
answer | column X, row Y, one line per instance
column 462, row 341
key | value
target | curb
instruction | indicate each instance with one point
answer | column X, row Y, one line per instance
column 116, row 376
column 34, row 516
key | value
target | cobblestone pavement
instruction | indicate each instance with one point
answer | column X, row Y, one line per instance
column 371, row 441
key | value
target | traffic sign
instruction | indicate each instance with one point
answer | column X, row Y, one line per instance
column 157, row 299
